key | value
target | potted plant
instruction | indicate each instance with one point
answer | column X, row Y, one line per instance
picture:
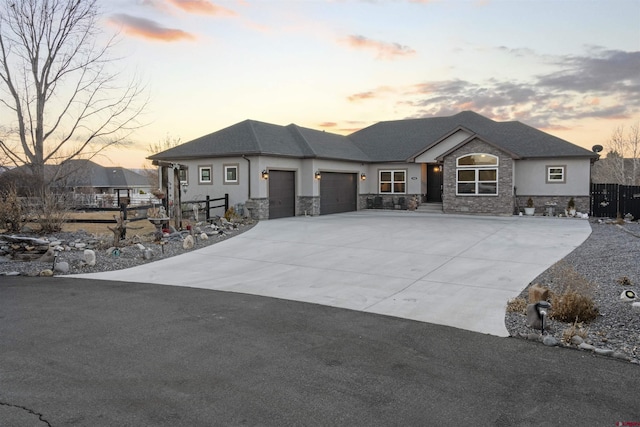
column 571, row 207
column 530, row 208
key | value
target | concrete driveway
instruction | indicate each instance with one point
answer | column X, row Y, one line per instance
column 451, row 270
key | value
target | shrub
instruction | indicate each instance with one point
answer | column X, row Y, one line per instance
column 573, row 306
column 231, row 215
column 517, row 305
column 571, row 296
column 624, row 281
column 52, row 213
column 11, row 212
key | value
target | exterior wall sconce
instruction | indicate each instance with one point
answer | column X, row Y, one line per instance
column 265, row 174
column 317, row 175
column 439, row 168
column 363, row 177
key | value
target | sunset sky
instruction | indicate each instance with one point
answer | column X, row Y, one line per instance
column 570, row 68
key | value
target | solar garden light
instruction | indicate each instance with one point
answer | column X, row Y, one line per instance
column 542, row 308
column 55, row 258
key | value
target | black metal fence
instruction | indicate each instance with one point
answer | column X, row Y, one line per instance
column 611, row 200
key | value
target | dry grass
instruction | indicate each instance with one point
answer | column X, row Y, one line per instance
column 97, row 229
column 517, row 305
column 572, row 295
column 576, row 329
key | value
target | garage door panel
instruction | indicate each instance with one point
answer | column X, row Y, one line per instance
column 282, row 194
column 338, row 193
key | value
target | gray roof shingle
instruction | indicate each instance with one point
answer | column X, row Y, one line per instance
column 389, row 141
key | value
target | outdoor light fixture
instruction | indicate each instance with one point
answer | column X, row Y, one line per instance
column 265, row 174
column 439, row 168
column 317, row 175
column 363, row 176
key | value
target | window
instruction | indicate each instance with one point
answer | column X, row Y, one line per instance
column 183, row 175
column 205, row 174
column 393, row 181
column 477, row 174
column 555, row 174
column 230, row 174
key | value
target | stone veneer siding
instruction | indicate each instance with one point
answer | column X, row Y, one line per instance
column 308, row 205
column 389, row 201
column 257, row 209
column 502, row 204
column 583, row 203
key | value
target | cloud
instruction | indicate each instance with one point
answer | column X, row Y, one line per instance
column 203, row 7
column 384, row 50
column 605, row 84
column 146, row 28
column 376, row 93
column 328, row 124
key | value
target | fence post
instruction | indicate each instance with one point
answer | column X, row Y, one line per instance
column 207, row 208
column 226, row 202
column 123, row 214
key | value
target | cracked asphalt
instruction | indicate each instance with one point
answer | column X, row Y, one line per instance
column 97, row 353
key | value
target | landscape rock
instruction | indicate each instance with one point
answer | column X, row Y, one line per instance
column 147, row 254
column 576, row 340
column 90, row 257
column 604, row 351
column 61, row 267
column 46, row 273
column 549, row 341
column 538, row 293
column 48, row 256
column 140, row 246
column 585, row 346
column 188, row 243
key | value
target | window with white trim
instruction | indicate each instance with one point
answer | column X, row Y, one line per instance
column 231, row 174
column 477, row 175
column 183, row 174
column 204, row 174
column 393, row 181
column 556, row 174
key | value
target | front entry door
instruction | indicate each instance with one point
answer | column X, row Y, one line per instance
column 434, row 183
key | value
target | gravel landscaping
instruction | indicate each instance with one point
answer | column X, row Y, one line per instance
column 608, row 262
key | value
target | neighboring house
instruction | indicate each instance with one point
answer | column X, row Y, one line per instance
column 466, row 162
column 84, row 177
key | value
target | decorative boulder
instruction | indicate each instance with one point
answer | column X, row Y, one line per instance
column 48, row 256
column 538, row 293
column 46, row 273
column 61, row 267
column 203, row 236
column 188, row 242
column 90, row 257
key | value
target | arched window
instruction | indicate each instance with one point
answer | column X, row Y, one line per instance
column 477, row 175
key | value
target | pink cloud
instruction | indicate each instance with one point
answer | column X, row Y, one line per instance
column 146, row 28
column 385, row 50
column 203, row 7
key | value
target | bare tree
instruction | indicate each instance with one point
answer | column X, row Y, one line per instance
column 56, row 84
column 151, row 172
column 622, row 163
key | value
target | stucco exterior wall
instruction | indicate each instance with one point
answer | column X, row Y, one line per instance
column 430, row 155
column 531, row 177
column 500, row 204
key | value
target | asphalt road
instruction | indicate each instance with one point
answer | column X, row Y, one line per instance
column 96, row 353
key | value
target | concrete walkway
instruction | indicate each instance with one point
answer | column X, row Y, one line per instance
column 451, row 270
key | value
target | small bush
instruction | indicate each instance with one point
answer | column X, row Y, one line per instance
column 571, row 296
column 231, row 215
column 576, row 329
column 11, row 212
column 573, row 306
column 517, row 305
column 52, row 214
